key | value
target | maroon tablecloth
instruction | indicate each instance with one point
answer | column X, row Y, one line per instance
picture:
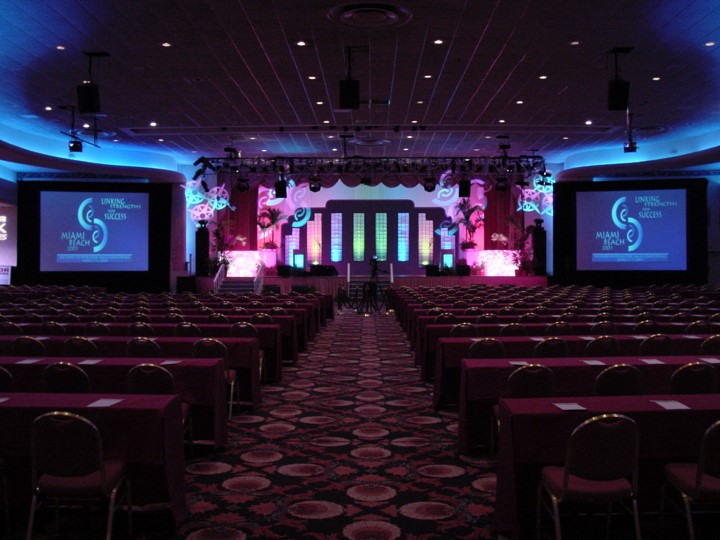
column 534, row 433
column 145, row 431
column 482, row 383
column 200, row 382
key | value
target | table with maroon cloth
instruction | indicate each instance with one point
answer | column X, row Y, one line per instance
column 144, row 430
column 269, row 337
column 451, row 351
column 482, row 383
column 534, row 433
column 200, row 382
column 242, row 355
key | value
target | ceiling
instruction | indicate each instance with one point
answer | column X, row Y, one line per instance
column 532, row 72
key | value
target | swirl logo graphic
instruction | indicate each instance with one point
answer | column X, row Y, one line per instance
column 631, row 226
column 88, row 221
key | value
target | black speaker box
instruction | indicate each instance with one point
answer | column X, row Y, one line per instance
column 88, row 97
column 349, row 94
column 432, row 270
column 280, row 189
column 618, row 95
column 284, row 270
column 464, row 188
column 323, row 270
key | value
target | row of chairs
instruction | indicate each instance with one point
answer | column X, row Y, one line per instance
column 601, row 468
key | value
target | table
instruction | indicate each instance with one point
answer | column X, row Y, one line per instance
column 145, row 431
column 451, row 351
column 482, row 383
column 242, row 352
column 534, row 433
column 200, row 382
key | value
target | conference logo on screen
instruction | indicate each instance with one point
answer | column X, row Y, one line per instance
column 97, row 230
column 630, row 231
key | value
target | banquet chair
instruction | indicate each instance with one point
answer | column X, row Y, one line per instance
column 552, row 347
column 142, row 347
column 694, row 378
column 618, row 380
column 603, row 346
column 487, row 318
column 697, row 483
column 249, row 330
column 140, row 316
column 601, row 468
column 710, row 345
column 239, row 310
column 150, row 378
column 52, row 328
column 69, row 465
column 603, row 327
column 106, row 316
column 261, row 318
column 96, row 328
column 473, row 310
column 699, row 327
column 187, row 329
column 7, row 381
column 214, row 348
column 65, row 377
column 217, row 318
column 173, row 317
column 79, row 346
column 646, row 326
column 27, row 346
column 9, row 328
column 446, row 318
column 657, row 344
column 140, row 328
column 464, row 329
column 487, row 347
column 513, row 329
column 558, row 328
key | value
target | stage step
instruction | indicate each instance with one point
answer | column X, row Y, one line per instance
column 238, row 285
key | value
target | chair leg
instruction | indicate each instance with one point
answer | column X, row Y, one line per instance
column 688, row 516
column 31, row 519
column 538, row 512
column 636, row 519
column 556, row 516
column 128, row 501
column 608, row 520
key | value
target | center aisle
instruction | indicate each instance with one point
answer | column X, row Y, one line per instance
column 348, row 446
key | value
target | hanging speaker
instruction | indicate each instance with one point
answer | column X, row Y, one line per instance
column 280, row 189
column 618, row 94
column 88, row 98
column 349, row 94
column 464, row 188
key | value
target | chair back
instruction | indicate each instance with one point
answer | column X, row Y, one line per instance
column 531, row 380
column 552, row 347
column 79, row 346
column 8, row 328
column 699, row 327
column 140, row 316
column 657, row 344
column 27, row 346
column 244, row 329
column 96, row 328
column 513, row 329
column 603, row 448
column 65, row 444
column 52, row 328
column 446, row 318
column 464, row 329
column 618, row 380
column 487, row 318
column 142, row 347
column 646, row 326
column 217, row 318
column 150, row 379
column 694, row 378
column 65, row 377
column 187, row 329
column 486, row 348
column 603, row 346
column 209, row 348
column 559, row 328
column 603, row 327
column 261, row 318
column 711, row 345
column 7, row 381
column 709, row 460
column 140, row 328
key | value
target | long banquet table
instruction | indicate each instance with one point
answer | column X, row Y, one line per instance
column 144, row 430
column 482, row 383
column 242, row 355
column 451, row 351
column 534, row 433
column 200, row 382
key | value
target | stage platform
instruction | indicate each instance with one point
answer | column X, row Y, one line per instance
column 329, row 285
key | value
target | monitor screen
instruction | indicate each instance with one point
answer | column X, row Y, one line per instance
column 631, row 230
column 93, row 231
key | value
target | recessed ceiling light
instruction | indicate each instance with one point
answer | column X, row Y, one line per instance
column 409, row 137
column 656, row 78
column 501, row 121
column 331, row 136
column 476, row 149
column 414, row 122
column 565, row 138
column 588, row 122
column 153, row 124
column 48, row 108
column 420, row 102
column 488, row 136
column 405, row 149
column 519, row 102
column 326, row 121
column 334, row 149
column 161, row 140
column 301, row 43
column 166, row 44
column 86, row 126
column 253, row 138
column 312, row 77
column 263, row 150
column 427, row 76
column 574, row 43
column 438, row 42
column 116, row 140
column 709, row 43
column 60, row 47
column 542, row 77
column 319, row 103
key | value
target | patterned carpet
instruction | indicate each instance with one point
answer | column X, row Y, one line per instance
column 346, row 447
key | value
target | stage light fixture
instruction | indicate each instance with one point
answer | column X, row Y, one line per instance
column 243, row 185
column 430, row 184
column 315, row 185
column 280, row 189
column 501, row 183
column 75, row 145
column 630, row 146
column 198, row 174
column 205, row 186
column 464, row 188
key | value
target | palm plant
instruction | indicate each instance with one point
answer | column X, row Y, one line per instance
column 470, row 216
column 268, row 219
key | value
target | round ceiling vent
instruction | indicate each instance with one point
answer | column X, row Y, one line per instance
column 370, row 15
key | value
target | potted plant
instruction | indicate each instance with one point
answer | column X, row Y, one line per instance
column 470, row 216
column 268, row 220
column 522, row 257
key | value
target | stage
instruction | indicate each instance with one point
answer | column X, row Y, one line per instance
column 329, row 285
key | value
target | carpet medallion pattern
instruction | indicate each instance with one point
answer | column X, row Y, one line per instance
column 347, row 446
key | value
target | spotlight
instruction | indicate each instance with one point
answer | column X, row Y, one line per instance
column 430, row 184
column 197, row 174
column 501, row 183
column 205, row 186
column 243, row 185
column 74, row 145
column 199, row 160
column 315, row 185
column 630, row 146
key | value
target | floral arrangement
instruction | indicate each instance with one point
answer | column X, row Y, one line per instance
column 500, row 239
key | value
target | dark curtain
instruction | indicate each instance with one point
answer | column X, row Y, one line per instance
column 501, row 204
column 242, row 221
